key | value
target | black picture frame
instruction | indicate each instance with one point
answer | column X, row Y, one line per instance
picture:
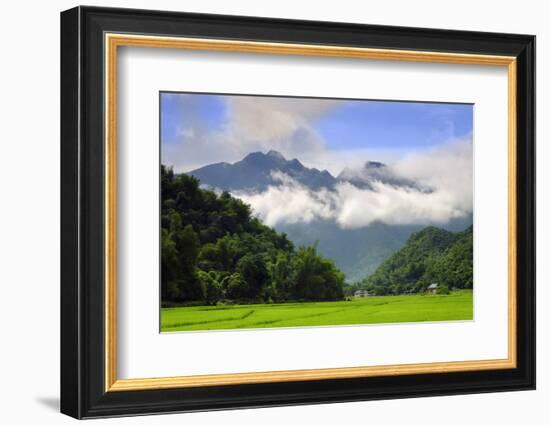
column 83, row 392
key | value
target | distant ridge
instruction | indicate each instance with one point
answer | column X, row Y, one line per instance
column 255, row 173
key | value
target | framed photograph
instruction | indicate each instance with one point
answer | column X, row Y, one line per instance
column 261, row 212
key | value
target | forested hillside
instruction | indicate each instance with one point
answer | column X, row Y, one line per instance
column 430, row 256
column 213, row 249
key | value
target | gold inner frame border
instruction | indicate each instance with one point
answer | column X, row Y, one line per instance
column 112, row 41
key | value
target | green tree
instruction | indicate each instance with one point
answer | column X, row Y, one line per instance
column 254, row 272
column 187, row 245
column 213, row 287
column 236, row 287
column 170, row 271
column 281, row 273
column 316, row 278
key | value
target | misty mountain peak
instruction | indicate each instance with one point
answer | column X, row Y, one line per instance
column 297, row 165
column 264, row 160
column 374, row 171
column 352, row 174
column 276, row 154
column 252, row 156
column 374, row 164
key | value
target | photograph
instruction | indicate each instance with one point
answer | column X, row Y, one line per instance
column 284, row 210
column 292, row 212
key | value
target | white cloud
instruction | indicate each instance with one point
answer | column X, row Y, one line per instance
column 251, row 124
column 290, row 202
column 446, row 170
column 393, row 205
column 273, row 119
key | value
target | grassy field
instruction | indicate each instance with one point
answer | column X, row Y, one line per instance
column 391, row 309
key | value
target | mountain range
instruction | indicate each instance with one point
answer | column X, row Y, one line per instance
column 357, row 252
column 255, row 173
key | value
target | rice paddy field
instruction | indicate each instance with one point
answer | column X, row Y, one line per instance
column 389, row 309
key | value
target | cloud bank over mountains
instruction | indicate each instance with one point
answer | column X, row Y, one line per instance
column 443, row 191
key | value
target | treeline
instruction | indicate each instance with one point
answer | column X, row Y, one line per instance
column 431, row 255
column 213, row 249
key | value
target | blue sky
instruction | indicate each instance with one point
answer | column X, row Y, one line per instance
column 197, row 129
column 176, row 110
column 402, row 125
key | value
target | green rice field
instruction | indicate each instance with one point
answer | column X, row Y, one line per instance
column 389, row 309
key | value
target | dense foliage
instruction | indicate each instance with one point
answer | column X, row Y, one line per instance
column 213, row 249
column 430, row 256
